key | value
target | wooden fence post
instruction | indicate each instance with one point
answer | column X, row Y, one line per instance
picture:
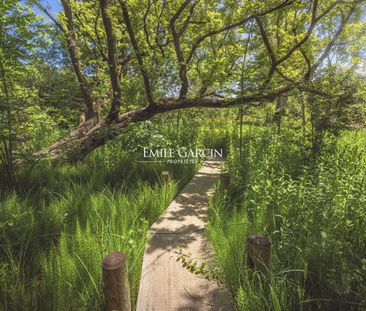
column 116, row 285
column 224, row 180
column 259, row 253
column 166, row 176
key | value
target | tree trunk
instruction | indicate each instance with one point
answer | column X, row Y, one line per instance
column 303, row 117
column 277, row 118
column 112, row 61
column 94, row 133
column 7, row 153
column 74, row 55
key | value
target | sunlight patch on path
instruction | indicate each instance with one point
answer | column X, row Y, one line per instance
column 166, row 285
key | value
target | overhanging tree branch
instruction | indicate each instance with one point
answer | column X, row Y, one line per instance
column 179, row 26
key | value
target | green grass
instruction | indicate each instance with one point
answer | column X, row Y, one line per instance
column 52, row 251
column 59, row 221
column 312, row 209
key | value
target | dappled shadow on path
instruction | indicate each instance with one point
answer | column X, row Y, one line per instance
column 165, row 284
column 188, row 212
column 169, row 241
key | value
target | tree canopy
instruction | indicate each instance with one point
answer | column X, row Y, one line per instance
column 134, row 59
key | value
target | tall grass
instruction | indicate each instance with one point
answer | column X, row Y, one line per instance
column 59, row 221
column 312, row 210
column 51, row 252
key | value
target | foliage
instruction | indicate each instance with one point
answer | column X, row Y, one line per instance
column 61, row 221
column 21, row 118
column 313, row 213
column 304, row 188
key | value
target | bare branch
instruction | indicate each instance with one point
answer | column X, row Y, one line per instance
column 112, row 61
column 200, row 39
column 157, row 30
column 71, row 42
column 314, row 20
column 146, row 32
column 179, row 51
column 334, row 39
column 98, row 43
column 49, row 15
column 306, row 58
column 188, row 19
column 266, row 42
column 90, row 37
column 135, row 46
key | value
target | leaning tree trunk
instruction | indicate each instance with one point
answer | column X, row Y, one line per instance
column 92, row 134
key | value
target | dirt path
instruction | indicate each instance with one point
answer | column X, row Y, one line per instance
column 165, row 284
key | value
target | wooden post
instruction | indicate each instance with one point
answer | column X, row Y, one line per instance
column 259, row 253
column 224, row 180
column 116, row 285
column 166, row 176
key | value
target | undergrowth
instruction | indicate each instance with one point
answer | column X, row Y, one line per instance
column 57, row 222
column 313, row 211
